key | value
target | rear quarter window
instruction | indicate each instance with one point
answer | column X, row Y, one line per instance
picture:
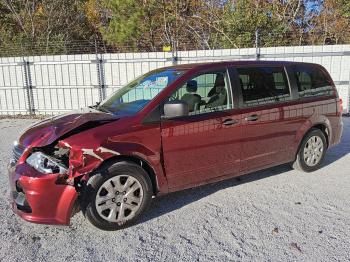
column 312, row 81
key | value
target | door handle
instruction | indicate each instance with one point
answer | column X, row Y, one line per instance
column 252, row 118
column 229, row 122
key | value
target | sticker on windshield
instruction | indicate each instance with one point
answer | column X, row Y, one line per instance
column 159, row 82
column 162, row 81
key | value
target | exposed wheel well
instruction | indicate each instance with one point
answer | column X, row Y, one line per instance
column 142, row 163
column 325, row 131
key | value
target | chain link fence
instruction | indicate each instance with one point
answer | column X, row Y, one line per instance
column 56, row 84
column 60, row 83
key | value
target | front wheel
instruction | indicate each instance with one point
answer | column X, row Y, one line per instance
column 117, row 196
column 311, row 152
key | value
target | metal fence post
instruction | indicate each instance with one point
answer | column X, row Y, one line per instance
column 257, row 45
column 174, row 56
column 28, row 87
column 101, row 77
column 100, row 73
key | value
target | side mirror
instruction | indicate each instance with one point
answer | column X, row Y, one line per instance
column 176, row 108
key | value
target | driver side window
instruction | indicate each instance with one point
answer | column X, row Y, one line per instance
column 206, row 92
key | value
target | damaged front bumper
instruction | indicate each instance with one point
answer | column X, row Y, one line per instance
column 38, row 198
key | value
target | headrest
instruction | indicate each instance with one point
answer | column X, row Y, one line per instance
column 241, row 83
column 191, row 86
column 220, row 80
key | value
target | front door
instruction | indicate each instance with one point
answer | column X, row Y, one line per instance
column 205, row 145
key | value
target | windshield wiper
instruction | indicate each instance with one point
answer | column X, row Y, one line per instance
column 103, row 109
column 95, row 105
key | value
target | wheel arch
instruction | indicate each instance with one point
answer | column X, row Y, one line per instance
column 321, row 126
column 325, row 130
column 135, row 160
column 299, row 162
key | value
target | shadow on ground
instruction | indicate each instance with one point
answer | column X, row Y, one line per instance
column 173, row 201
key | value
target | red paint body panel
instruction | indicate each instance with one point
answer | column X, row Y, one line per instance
column 50, row 203
column 275, row 137
column 47, row 131
column 182, row 152
column 208, row 149
column 125, row 137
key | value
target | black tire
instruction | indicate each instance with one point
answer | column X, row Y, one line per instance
column 92, row 187
column 300, row 163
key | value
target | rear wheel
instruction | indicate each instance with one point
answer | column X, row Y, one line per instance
column 311, row 152
column 117, row 196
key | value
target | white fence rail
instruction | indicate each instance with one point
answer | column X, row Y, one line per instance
column 55, row 84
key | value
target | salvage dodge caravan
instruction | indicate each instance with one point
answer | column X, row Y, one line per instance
column 170, row 129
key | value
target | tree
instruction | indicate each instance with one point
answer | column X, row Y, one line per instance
column 156, row 23
column 73, row 26
column 344, row 7
column 332, row 24
column 42, row 26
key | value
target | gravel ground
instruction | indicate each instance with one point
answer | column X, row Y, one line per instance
column 276, row 214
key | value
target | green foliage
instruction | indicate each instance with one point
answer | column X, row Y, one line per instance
column 124, row 26
column 41, row 26
column 242, row 18
column 344, row 8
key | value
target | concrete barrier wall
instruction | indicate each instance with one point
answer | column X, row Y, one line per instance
column 65, row 82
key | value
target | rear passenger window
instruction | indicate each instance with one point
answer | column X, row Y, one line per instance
column 312, row 81
column 262, row 85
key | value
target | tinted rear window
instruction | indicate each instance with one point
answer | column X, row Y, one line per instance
column 312, row 81
column 262, row 85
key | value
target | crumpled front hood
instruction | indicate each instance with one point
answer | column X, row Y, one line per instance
column 49, row 130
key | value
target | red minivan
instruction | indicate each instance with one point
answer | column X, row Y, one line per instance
column 170, row 129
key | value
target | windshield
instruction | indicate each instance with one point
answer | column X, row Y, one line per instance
column 136, row 95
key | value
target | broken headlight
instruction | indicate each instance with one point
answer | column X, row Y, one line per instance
column 45, row 164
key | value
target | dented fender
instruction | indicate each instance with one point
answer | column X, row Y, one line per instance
column 84, row 160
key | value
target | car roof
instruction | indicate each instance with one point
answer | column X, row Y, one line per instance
column 207, row 65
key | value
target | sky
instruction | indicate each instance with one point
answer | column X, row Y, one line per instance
column 313, row 5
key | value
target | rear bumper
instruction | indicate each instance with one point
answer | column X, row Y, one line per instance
column 37, row 198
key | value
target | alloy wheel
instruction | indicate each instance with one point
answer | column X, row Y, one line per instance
column 119, row 198
column 313, row 151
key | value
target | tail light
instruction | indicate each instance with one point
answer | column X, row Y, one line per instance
column 340, row 106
